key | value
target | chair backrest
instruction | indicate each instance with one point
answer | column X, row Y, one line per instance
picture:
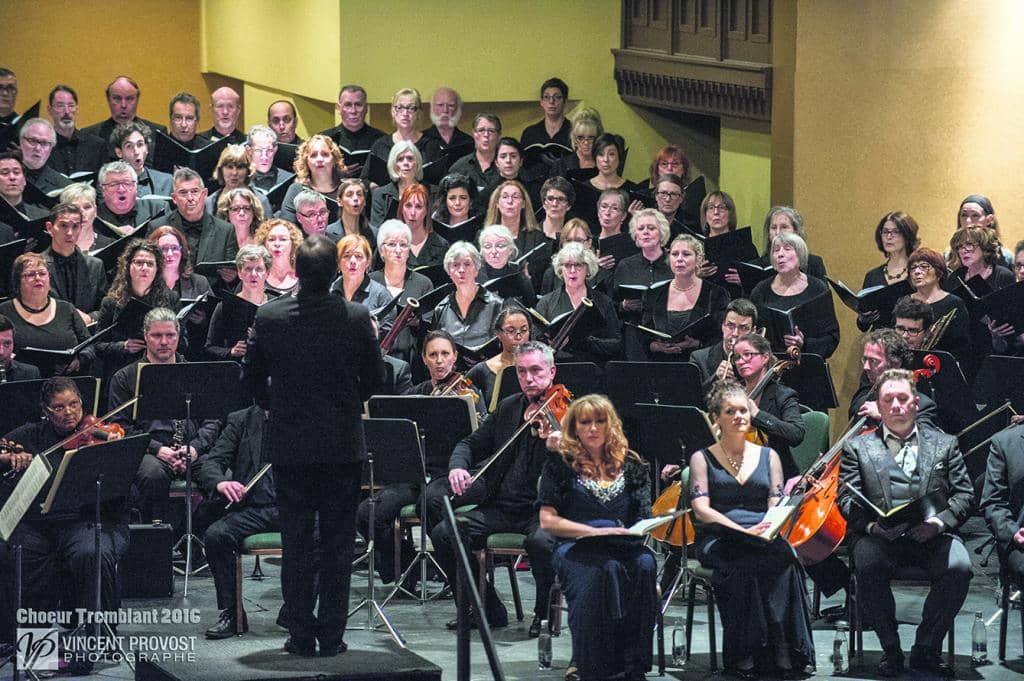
column 815, row 439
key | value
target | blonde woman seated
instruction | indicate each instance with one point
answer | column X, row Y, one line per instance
column 597, row 488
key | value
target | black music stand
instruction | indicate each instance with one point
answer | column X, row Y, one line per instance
column 441, row 423
column 393, row 455
column 581, row 378
column 1000, row 378
column 812, row 381
column 632, row 383
column 20, row 400
column 169, row 391
column 670, row 433
column 949, row 389
column 106, row 472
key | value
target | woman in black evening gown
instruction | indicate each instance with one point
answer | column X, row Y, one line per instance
column 759, row 586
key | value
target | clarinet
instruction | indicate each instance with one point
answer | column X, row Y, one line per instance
column 3, row 373
column 178, row 439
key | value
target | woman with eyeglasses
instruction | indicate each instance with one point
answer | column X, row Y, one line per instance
column 976, row 211
column 672, row 161
column 512, row 327
column 405, row 107
column 83, row 197
column 405, row 167
column 557, row 196
column 685, row 300
column 226, row 338
column 40, row 320
column 233, row 171
column 281, row 239
column 318, row 166
column 468, row 313
column 896, row 238
column 510, row 206
column 352, row 199
column 577, row 231
column 393, row 240
column 586, row 127
column 927, row 271
column 498, row 249
column 598, row 336
column 244, row 211
column 790, row 288
column 180, row 278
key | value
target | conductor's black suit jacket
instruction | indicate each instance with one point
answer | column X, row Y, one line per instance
column 322, row 358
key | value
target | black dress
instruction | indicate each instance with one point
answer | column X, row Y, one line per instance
column 820, row 339
column 762, row 598
column 609, row 585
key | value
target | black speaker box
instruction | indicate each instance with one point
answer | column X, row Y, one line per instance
column 146, row 571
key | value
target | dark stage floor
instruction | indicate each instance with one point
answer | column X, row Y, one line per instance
column 423, row 628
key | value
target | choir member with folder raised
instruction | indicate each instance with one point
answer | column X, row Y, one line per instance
column 596, row 335
column 15, row 211
column 234, row 315
column 896, row 238
column 120, row 211
column 927, row 271
column 796, row 308
column 500, row 272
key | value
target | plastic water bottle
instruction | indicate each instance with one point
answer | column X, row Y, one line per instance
column 841, row 649
column 544, row 646
column 979, row 641
column 678, row 647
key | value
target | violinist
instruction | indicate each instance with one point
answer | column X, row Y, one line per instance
column 506, row 492
column 58, row 553
column 439, row 356
column 170, row 440
column 774, row 407
column 732, row 485
column 895, row 464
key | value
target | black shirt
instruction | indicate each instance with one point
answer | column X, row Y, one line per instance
column 360, row 140
column 80, row 152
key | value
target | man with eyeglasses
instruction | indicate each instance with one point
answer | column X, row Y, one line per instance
column 123, row 95
column 12, row 191
column 37, row 140
column 119, row 207
column 912, row 319
column 58, row 551
column 311, row 212
column 353, row 135
column 210, row 239
column 554, row 128
column 740, row 319
column 75, row 151
column 8, row 96
column 479, row 165
column 261, row 147
column 226, row 105
column 75, row 277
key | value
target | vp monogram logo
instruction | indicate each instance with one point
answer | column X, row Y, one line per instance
column 37, row 649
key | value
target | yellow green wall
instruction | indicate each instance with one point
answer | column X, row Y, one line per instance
column 86, row 45
column 746, row 172
column 901, row 106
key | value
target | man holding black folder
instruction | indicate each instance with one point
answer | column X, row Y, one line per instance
column 12, row 192
column 905, row 462
column 321, row 358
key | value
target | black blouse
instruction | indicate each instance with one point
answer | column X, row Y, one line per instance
column 601, row 342
column 820, row 339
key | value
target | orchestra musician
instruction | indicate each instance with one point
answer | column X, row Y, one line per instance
column 223, row 474
column 11, row 369
column 170, row 441
column 899, row 462
column 732, row 485
column 597, row 487
column 58, row 550
column 295, row 343
column 512, row 326
column 912, row 319
column 1002, row 500
column 885, row 349
column 439, row 356
column 714, row 361
column 506, row 492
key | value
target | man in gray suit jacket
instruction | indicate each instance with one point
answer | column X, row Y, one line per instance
column 1003, row 498
column 210, row 239
column 901, row 461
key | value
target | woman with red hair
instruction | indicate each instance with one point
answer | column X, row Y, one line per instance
column 426, row 248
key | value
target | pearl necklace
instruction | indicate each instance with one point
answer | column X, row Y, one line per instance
column 684, row 290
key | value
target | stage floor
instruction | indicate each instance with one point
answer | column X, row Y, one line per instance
column 423, row 628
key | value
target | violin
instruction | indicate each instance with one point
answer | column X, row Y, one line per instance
column 457, row 384
column 93, row 431
column 547, row 415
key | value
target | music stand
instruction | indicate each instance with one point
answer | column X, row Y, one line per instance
column 812, row 381
column 106, row 472
column 441, row 422
column 670, row 433
column 167, row 391
column 631, row 383
column 949, row 389
column 21, row 400
column 1001, row 378
column 393, row 455
column 581, row 378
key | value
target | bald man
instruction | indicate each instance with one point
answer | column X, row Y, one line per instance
column 445, row 112
column 123, row 95
column 227, row 107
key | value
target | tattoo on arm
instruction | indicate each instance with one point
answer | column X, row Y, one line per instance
column 776, row 492
column 696, row 491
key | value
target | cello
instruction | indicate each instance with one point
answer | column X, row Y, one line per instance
column 817, row 527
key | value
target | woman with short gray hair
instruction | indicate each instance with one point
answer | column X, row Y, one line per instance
column 229, row 325
column 468, row 313
column 498, row 248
